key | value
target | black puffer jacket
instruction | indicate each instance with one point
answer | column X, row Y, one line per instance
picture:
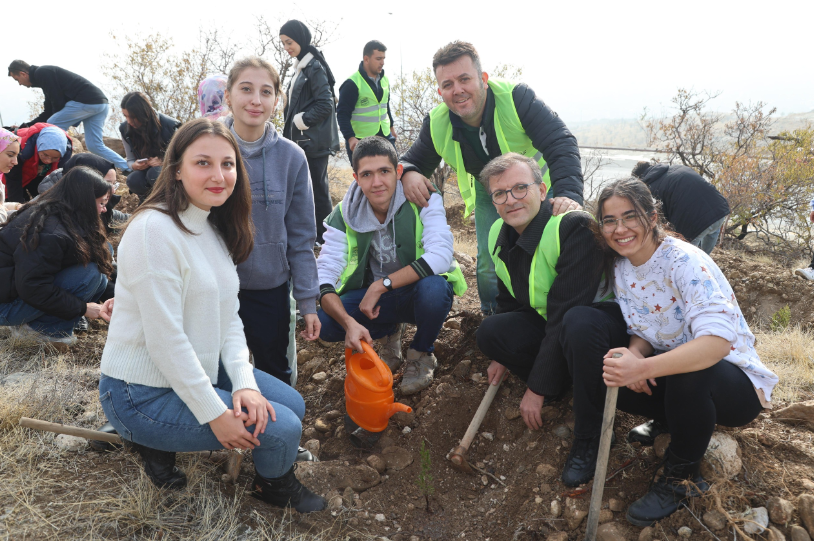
column 546, row 130
column 312, row 96
column 30, row 274
column 689, row 203
column 61, row 86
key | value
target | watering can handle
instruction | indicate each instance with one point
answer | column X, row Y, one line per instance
column 383, row 369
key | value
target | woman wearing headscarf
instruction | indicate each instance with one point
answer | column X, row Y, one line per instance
column 9, row 150
column 210, row 97
column 43, row 149
column 110, row 217
column 310, row 112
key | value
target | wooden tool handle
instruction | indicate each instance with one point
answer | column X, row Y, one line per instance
column 70, row 430
column 479, row 415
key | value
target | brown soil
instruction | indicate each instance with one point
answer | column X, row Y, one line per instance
column 512, row 500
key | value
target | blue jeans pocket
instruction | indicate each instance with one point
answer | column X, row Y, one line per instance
column 110, row 412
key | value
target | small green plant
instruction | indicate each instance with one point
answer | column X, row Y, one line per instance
column 780, row 319
column 425, row 481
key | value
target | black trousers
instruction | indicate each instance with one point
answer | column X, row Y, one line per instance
column 266, row 316
column 513, row 339
column 318, row 167
column 691, row 404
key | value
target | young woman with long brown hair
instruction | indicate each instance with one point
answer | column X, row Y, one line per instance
column 176, row 374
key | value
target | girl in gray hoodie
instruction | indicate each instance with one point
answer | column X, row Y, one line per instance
column 283, row 215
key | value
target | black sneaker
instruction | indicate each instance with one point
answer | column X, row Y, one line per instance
column 81, row 325
column 646, row 434
column 581, row 462
column 287, row 491
column 105, row 446
column 304, row 455
column 359, row 437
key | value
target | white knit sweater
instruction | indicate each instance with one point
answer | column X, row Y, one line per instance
column 176, row 312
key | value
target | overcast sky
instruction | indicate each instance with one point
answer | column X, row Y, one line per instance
column 587, row 60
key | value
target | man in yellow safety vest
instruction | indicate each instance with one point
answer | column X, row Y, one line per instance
column 364, row 100
column 479, row 120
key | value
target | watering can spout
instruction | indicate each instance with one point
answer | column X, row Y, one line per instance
column 396, row 407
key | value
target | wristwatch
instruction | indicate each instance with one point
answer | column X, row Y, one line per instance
column 387, row 283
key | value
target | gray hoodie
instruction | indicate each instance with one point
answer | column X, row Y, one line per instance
column 283, row 215
column 359, row 215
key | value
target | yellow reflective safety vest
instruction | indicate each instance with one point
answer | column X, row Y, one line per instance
column 510, row 136
column 407, row 224
column 370, row 114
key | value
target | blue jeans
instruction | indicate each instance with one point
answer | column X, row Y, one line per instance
column 425, row 304
column 709, row 236
column 87, row 283
column 157, row 418
column 485, row 216
column 93, row 117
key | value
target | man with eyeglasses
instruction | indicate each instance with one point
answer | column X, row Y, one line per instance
column 546, row 265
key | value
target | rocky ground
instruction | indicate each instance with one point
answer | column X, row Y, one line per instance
column 763, row 474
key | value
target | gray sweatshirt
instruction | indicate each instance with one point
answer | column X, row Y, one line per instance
column 283, row 215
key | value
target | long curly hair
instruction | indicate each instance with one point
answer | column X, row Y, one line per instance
column 233, row 219
column 146, row 138
column 72, row 201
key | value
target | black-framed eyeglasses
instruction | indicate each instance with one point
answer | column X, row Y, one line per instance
column 630, row 221
column 518, row 191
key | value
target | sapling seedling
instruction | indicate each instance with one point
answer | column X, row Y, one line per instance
column 425, row 481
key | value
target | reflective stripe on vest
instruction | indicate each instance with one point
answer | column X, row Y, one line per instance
column 511, row 137
column 454, row 275
column 370, row 114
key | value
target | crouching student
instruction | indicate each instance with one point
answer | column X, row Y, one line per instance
column 546, row 265
column 176, row 374
column 675, row 303
column 385, row 262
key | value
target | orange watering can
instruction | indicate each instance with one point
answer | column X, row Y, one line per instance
column 369, row 396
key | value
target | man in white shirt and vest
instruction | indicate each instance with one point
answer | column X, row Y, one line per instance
column 483, row 118
column 364, row 100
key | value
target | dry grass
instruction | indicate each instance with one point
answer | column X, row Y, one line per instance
column 466, row 243
column 790, row 354
column 48, row 493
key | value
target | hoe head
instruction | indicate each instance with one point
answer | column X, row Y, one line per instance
column 458, row 459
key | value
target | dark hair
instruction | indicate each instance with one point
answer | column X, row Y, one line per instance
column 646, row 207
column 17, row 66
column 641, row 169
column 253, row 62
column 373, row 45
column 87, row 159
column 146, row 139
column 503, row 163
column 233, row 219
column 374, row 146
column 451, row 52
column 72, row 201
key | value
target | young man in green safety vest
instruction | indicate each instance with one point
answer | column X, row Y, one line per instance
column 364, row 100
column 546, row 265
column 481, row 119
column 386, row 262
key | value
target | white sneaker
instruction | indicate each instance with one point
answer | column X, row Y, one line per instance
column 390, row 347
column 807, row 273
column 418, row 371
column 25, row 332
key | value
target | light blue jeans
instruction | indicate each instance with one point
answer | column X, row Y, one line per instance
column 485, row 216
column 709, row 236
column 156, row 417
column 87, row 283
column 93, row 116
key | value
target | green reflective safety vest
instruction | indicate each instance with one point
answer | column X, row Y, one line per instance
column 370, row 114
column 510, row 136
column 408, row 225
column 543, row 264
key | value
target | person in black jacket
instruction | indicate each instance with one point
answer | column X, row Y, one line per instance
column 70, row 99
column 371, row 71
column 310, row 114
column 146, row 135
column 54, row 259
column 693, row 206
column 472, row 105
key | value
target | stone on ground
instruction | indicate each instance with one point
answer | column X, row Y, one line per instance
column 722, row 458
column 756, row 520
column 715, row 520
column 780, row 510
column 798, row 533
column 397, row 458
column 805, row 508
column 70, row 443
column 610, row 532
column 801, row 412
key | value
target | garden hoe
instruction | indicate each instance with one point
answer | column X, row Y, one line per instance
column 458, row 456
column 602, row 460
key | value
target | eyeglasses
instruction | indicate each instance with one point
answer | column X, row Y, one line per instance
column 518, row 191
column 631, row 221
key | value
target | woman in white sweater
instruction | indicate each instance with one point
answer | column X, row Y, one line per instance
column 688, row 359
column 175, row 370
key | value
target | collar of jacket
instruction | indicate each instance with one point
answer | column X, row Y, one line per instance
column 32, row 76
column 367, row 78
column 655, row 173
column 487, row 121
column 530, row 239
